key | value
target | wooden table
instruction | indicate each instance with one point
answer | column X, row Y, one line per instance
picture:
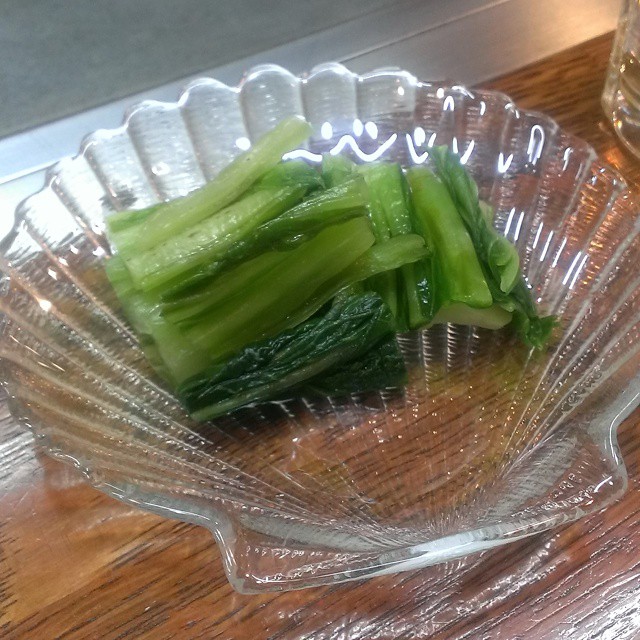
column 76, row 564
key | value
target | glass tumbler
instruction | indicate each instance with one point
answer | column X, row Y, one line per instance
column 621, row 95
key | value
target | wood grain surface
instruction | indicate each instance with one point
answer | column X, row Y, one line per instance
column 75, row 564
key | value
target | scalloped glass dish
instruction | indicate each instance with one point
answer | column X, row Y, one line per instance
column 488, row 442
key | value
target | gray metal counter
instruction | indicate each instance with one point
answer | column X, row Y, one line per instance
column 65, row 57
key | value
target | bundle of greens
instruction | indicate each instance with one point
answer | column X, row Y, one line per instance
column 277, row 279
column 471, row 275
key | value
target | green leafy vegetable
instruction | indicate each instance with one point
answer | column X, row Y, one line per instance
column 334, row 343
column 454, row 273
column 208, row 241
column 266, row 306
column 391, row 210
column 299, row 224
column 135, row 231
column 381, row 367
column 498, row 257
column 276, row 279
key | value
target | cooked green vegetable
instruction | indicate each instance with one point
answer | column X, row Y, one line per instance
column 335, row 343
column 276, row 279
column 385, row 284
column 407, row 290
column 493, row 249
column 336, row 169
column 167, row 350
column 381, row 367
column 135, row 231
column 286, row 231
column 264, row 307
column 392, row 210
column 457, row 275
column 454, row 274
column 197, row 299
column 208, row 241
column 380, row 258
column 497, row 256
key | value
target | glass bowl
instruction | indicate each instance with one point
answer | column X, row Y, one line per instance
column 488, row 443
